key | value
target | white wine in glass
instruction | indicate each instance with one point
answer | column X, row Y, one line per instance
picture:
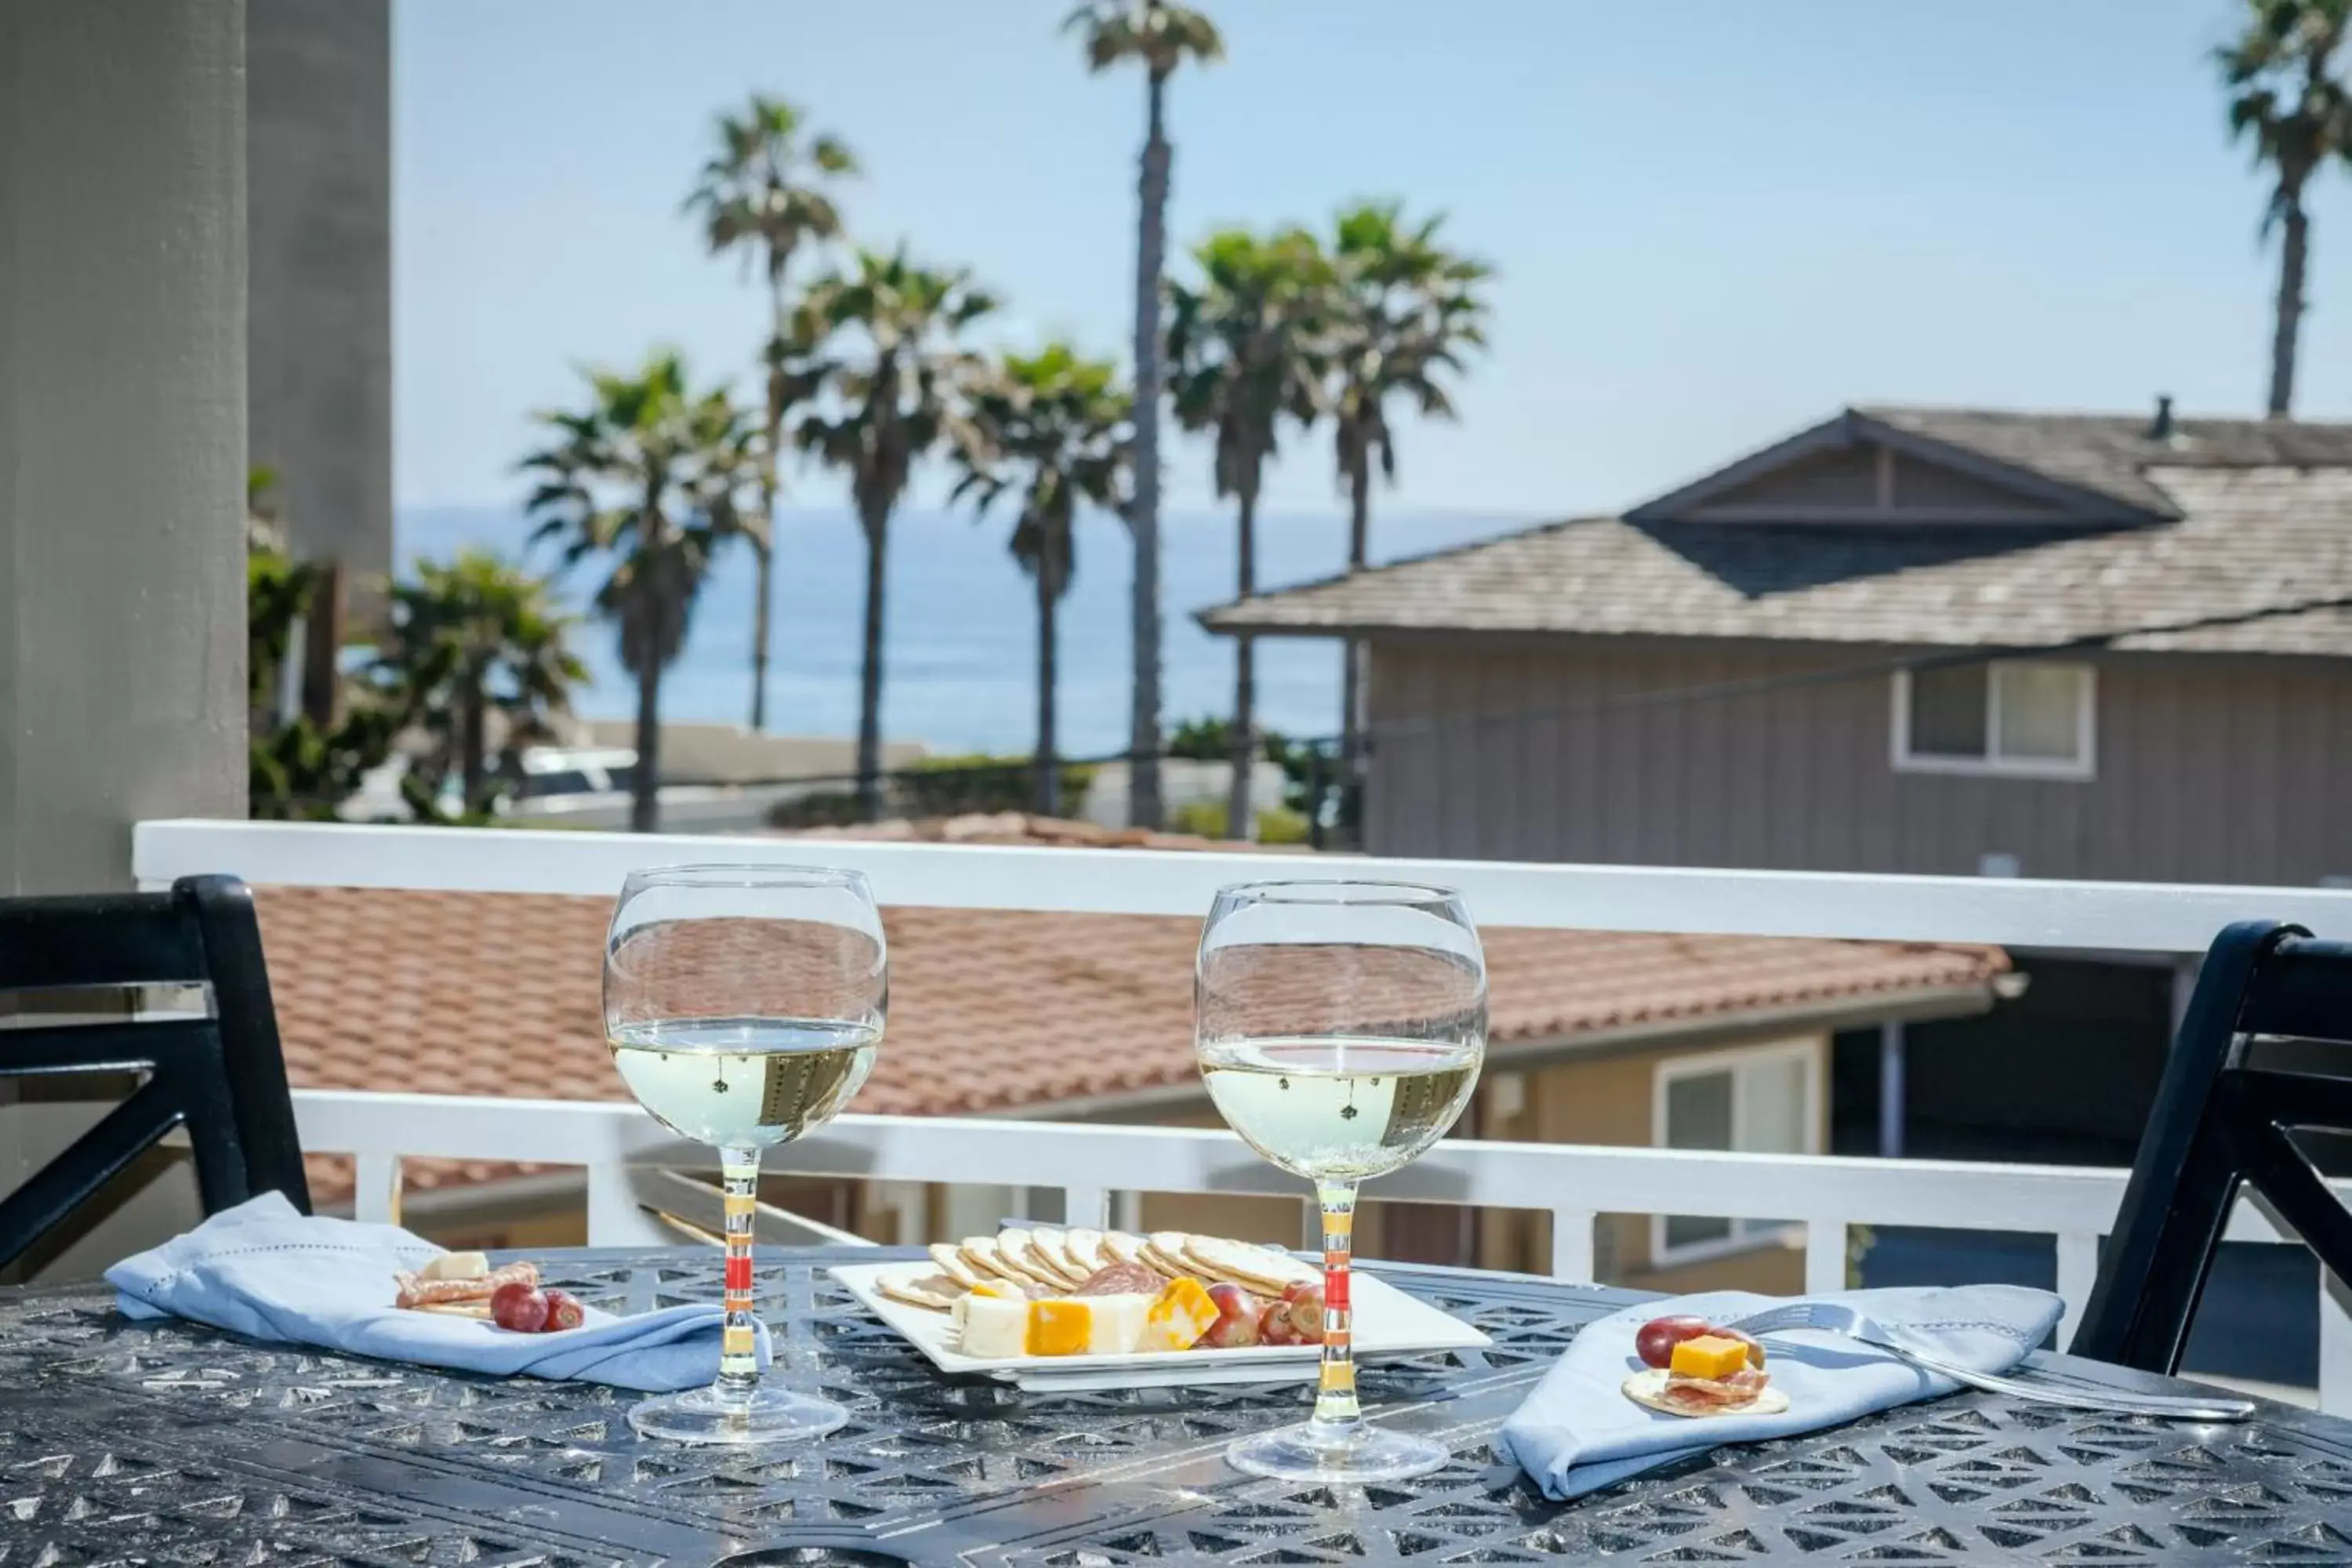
column 743, row 1005
column 1339, row 1027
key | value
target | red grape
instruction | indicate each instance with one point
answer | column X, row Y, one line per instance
column 563, row 1311
column 1274, row 1325
column 1237, row 1319
column 1656, row 1339
column 519, row 1307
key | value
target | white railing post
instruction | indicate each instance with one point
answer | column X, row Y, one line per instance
column 2078, row 1270
column 1824, row 1255
column 376, row 1188
column 1087, row 1207
column 1571, row 1245
column 615, row 1218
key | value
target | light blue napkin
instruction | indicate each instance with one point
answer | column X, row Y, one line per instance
column 264, row 1271
column 1578, row 1432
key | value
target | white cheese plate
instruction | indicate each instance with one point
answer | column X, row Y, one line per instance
column 1388, row 1323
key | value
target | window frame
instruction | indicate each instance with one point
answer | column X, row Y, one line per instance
column 1746, row 1235
column 1992, row 764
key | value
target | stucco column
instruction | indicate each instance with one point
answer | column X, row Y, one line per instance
column 318, row 141
column 122, row 428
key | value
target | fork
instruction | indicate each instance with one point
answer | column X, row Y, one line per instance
column 1835, row 1318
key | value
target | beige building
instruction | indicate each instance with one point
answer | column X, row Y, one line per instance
column 1954, row 641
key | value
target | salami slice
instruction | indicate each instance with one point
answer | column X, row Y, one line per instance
column 1120, row 1280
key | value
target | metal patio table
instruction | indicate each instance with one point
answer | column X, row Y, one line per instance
column 163, row 1443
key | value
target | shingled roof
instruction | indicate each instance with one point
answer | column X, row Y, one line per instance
column 2193, row 542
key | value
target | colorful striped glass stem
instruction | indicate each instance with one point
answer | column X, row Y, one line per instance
column 1336, row 1411
column 738, row 1361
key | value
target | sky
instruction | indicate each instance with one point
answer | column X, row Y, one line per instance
column 1712, row 221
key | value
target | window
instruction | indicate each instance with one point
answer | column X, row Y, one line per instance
column 2030, row 719
column 1761, row 1101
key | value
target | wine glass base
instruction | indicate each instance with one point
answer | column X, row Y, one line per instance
column 1312, row 1452
column 703, row 1415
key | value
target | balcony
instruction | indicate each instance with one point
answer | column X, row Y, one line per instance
column 628, row 1160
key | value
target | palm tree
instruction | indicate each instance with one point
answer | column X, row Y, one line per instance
column 1244, row 347
column 764, row 193
column 470, row 638
column 897, row 376
column 1052, row 430
column 1403, row 311
column 2284, row 96
column 1162, row 36
column 649, row 474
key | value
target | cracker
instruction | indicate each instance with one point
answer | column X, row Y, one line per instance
column 987, row 1255
column 1647, row 1388
column 951, row 1264
column 1086, row 1250
column 1051, row 1248
column 1032, row 1251
column 1252, row 1266
column 1122, row 1247
column 480, row 1309
column 1165, row 1250
column 933, row 1292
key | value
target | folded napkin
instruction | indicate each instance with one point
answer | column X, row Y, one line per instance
column 1578, row 1432
column 264, row 1271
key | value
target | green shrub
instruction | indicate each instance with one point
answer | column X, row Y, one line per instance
column 824, row 808
column 1207, row 819
column 951, row 786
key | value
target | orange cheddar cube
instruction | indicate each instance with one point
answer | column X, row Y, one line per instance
column 1178, row 1317
column 1708, row 1356
column 1058, row 1328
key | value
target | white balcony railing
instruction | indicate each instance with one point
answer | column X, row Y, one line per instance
column 2073, row 1205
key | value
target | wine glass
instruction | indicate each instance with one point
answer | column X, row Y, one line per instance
column 1339, row 1026
column 743, row 1005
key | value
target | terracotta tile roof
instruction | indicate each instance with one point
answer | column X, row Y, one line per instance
column 494, row 993
column 2243, row 516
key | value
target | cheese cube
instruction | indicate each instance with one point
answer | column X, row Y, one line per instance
column 1708, row 1356
column 991, row 1326
column 1178, row 1317
column 1086, row 1325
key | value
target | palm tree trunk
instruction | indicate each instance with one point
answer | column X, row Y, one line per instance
column 876, row 523
column 764, row 550
column 473, row 745
column 1352, row 671
column 2294, row 255
column 764, row 558
column 1240, row 821
column 1144, row 805
column 645, row 798
column 1047, row 800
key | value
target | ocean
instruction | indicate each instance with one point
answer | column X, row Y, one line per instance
column 961, row 629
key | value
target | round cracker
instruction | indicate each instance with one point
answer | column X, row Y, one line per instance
column 933, row 1292
column 455, row 1308
column 988, row 1255
column 1125, row 1248
column 1246, row 1264
column 1086, row 1250
column 1648, row 1386
column 951, row 1264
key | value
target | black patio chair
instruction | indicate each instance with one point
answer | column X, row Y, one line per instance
column 2220, row 1122
column 221, row 1077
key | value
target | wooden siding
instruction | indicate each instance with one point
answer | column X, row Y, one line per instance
column 1865, row 479
column 2207, row 770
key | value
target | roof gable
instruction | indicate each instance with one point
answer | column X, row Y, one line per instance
column 1862, row 467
